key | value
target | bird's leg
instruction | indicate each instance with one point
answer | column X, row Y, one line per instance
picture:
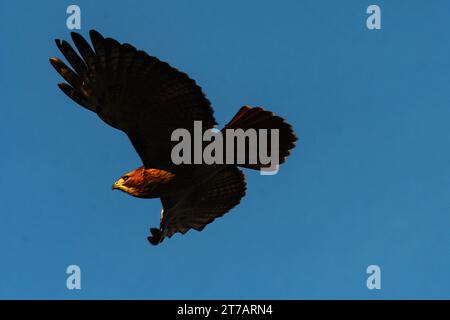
column 156, row 236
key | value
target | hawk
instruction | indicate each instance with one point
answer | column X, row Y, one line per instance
column 148, row 99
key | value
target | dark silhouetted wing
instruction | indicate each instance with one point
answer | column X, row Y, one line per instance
column 207, row 202
column 134, row 92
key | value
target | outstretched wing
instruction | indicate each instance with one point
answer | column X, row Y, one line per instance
column 134, row 92
column 207, row 202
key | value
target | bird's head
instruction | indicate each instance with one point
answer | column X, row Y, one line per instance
column 143, row 183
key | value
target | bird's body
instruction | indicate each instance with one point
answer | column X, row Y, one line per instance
column 148, row 99
column 156, row 183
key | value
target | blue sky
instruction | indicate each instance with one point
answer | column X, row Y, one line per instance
column 368, row 183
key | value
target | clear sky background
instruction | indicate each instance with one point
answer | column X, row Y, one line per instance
column 368, row 183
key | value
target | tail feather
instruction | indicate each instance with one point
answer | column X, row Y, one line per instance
column 258, row 118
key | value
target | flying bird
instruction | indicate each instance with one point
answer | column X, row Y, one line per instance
column 148, row 99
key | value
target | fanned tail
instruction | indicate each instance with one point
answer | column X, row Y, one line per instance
column 258, row 118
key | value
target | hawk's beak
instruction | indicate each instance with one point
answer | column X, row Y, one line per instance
column 115, row 186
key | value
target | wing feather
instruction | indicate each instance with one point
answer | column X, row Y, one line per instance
column 207, row 202
column 134, row 92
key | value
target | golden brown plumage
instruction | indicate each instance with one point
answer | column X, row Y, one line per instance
column 148, row 99
column 146, row 183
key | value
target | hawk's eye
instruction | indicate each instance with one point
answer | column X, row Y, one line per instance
column 125, row 178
